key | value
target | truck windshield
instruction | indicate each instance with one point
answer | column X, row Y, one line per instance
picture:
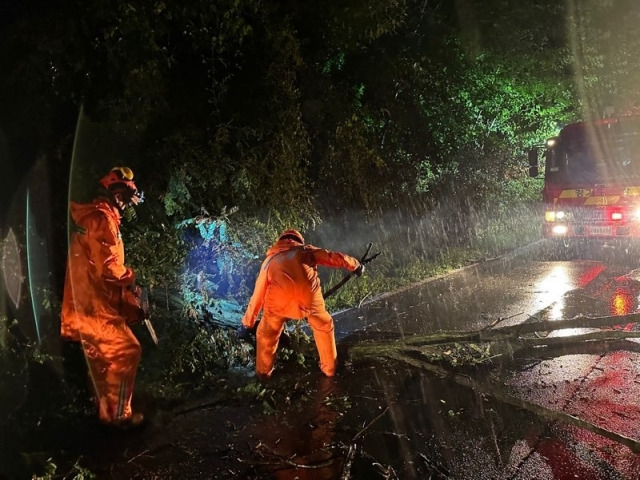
column 596, row 153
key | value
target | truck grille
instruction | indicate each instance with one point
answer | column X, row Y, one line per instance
column 588, row 215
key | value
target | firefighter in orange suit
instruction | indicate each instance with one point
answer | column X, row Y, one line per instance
column 288, row 287
column 101, row 299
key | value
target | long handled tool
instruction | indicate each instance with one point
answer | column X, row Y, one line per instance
column 364, row 260
column 144, row 306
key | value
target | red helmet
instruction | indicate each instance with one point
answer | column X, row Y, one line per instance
column 291, row 234
column 120, row 180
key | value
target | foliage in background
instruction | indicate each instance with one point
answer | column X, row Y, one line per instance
column 601, row 37
column 296, row 106
column 77, row 472
column 215, row 273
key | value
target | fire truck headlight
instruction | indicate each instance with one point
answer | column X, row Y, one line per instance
column 636, row 214
column 560, row 230
column 552, row 215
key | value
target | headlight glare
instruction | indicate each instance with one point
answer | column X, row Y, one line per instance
column 554, row 215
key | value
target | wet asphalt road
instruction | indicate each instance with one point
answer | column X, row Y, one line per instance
column 386, row 419
column 476, row 437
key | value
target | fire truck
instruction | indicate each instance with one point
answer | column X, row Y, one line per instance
column 592, row 182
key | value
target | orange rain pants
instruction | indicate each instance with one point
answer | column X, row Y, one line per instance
column 94, row 304
column 288, row 287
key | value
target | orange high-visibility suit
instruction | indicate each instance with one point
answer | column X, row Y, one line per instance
column 95, row 300
column 288, row 287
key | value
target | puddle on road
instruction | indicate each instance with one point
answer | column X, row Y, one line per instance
column 381, row 421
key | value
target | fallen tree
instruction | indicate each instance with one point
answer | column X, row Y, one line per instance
column 488, row 343
column 446, row 353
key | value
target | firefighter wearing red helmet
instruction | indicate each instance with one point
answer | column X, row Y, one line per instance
column 288, row 288
column 100, row 297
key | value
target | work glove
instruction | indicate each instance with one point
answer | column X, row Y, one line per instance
column 243, row 333
column 359, row 271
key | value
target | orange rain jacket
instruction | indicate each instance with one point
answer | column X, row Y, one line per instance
column 288, row 287
column 96, row 306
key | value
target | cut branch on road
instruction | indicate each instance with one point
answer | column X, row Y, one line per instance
column 442, row 352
